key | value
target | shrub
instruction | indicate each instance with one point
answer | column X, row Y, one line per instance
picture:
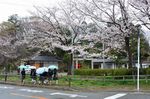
column 148, row 71
column 94, row 72
column 123, row 71
column 143, row 71
column 111, row 72
column 85, row 72
column 102, row 72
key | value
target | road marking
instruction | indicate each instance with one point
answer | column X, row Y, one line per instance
column 5, row 87
column 29, row 90
column 70, row 95
column 36, row 97
column 116, row 96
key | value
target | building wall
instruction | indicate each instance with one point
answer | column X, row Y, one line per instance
column 108, row 66
column 99, row 65
column 37, row 65
column 45, row 64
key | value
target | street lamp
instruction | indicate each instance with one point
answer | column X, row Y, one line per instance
column 138, row 51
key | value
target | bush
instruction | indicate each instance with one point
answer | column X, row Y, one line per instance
column 123, row 71
column 148, row 71
column 94, row 72
column 111, row 72
column 102, row 72
column 143, row 71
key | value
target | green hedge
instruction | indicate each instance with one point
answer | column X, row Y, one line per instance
column 120, row 72
column 148, row 71
column 94, row 72
column 111, row 72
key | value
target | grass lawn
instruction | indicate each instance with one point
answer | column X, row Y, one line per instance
column 98, row 83
column 111, row 84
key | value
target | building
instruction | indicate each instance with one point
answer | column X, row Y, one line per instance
column 97, row 63
column 100, row 63
column 40, row 61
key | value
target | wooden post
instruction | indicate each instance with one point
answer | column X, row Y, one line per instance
column 104, row 77
column 123, row 78
column 5, row 76
column 146, row 79
column 76, row 63
column 92, row 64
column 69, row 82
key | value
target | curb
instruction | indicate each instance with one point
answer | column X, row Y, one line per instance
column 63, row 88
column 75, row 89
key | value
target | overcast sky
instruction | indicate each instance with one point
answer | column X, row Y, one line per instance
column 22, row 7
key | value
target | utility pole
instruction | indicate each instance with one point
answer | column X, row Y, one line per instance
column 138, row 51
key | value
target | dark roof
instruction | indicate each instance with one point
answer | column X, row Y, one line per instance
column 45, row 58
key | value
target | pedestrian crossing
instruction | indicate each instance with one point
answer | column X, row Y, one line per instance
column 69, row 95
column 116, row 96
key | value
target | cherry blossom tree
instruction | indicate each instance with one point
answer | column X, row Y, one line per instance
column 12, row 45
column 51, row 28
column 141, row 11
column 66, row 26
column 8, row 39
column 113, row 19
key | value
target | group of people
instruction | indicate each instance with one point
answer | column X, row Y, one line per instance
column 44, row 78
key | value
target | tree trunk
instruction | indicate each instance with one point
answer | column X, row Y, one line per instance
column 70, row 67
column 128, row 52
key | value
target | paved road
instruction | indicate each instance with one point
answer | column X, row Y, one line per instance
column 19, row 92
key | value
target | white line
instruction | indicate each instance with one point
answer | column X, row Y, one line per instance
column 70, row 95
column 116, row 96
column 29, row 90
column 5, row 87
